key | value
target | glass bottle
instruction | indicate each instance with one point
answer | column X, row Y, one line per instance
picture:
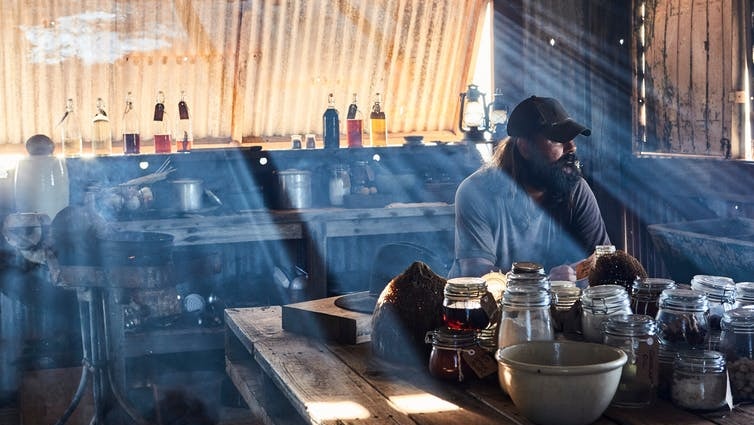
column 377, row 124
column 645, row 294
column 70, row 131
column 184, row 136
column 597, row 304
column 446, row 359
column 699, row 380
column 462, row 303
column 636, row 335
column 744, row 294
column 525, row 315
column 160, row 128
column 354, row 124
column 737, row 344
column 682, row 318
column 131, row 138
column 331, row 125
column 102, row 136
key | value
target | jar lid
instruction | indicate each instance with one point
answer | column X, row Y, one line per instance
column 630, row 325
column 717, row 288
column 525, row 296
column 601, row 298
column 700, row 361
column 745, row 292
column 460, row 288
column 684, row 300
column 527, row 267
column 451, row 338
column 738, row 320
column 651, row 285
column 604, row 249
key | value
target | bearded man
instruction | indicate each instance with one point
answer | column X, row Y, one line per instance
column 530, row 201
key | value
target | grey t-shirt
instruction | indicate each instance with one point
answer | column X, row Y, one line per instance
column 498, row 221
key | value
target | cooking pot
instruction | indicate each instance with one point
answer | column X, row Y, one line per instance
column 188, row 194
column 295, row 189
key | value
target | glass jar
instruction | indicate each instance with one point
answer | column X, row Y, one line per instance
column 721, row 292
column 597, row 304
column 737, row 343
column 744, row 294
column 462, row 304
column 699, row 380
column 525, row 272
column 682, row 318
column 645, row 294
column 339, row 185
column 525, row 315
column 446, row 359
column 636, row 335
column 665, row 357
column 566, row 309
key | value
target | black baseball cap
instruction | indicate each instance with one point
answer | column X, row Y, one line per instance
column 544, row 115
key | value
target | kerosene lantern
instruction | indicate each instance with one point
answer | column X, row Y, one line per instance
column 473, row 118
column 498, row 116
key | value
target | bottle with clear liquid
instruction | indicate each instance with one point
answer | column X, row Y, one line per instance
column 354, row 124
column 131, row 139
column 70, row 131
column 331, row 125
column 377, row 124
column 184, row 137
column 102, row 137
column 160, row 128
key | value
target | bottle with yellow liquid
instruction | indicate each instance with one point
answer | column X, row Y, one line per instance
column 377, row 124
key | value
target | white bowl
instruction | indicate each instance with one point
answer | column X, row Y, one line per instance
column 560, row 382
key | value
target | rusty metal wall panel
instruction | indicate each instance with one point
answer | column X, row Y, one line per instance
column 249, row 69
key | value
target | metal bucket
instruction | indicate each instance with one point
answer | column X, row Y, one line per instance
column 295, row 189
column 189, row 194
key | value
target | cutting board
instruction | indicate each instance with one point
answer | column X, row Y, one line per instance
column 324, row 320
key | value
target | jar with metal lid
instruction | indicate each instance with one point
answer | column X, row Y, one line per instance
column 462, row 304
column 665, row 357
column 525, row 315
column 636, row 335
column 446, row 359
column 566, row 309
column 682, row 318
column 699, row 380
column 597, row 304
column 737, row 343
column 744, row 294
column 721, row 293
column 528, row 273
column 645, row 294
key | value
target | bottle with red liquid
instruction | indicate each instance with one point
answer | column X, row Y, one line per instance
column 354, row 124
column 160, row 128
column 462, row 304
column 131, row 139
column 184, row 137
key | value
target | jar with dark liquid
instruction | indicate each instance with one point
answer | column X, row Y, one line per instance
column 462, row 304
column 645, row 294
column 448, row 346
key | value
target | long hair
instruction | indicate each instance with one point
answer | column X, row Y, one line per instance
column 507, row 158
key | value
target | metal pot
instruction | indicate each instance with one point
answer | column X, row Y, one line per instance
column 295, row 189
column 189, row 194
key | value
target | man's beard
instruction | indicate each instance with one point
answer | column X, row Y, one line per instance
column 558, row 178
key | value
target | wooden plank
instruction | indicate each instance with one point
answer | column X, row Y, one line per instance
column 322, row 319
column 247, row 381
column 172, row 341
column 662, row 412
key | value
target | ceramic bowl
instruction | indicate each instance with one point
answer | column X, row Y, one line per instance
column 560, row 382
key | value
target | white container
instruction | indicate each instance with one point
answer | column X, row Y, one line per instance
column 41, row 185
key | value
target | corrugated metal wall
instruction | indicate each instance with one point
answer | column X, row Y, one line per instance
column 249, row 69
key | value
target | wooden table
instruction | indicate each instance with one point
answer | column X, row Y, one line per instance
column 287, row 378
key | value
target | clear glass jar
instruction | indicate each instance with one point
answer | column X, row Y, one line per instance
column 446, row 359
column 636, row 335
column 737, row 343
column 339, row 185
column 645, row 294
column 566, row 309
column 597, row 304
column 744, row 294
column 462, row 304
column 682, row 318
column 528, row 273
column 699, row 380
column 721, row 293
column 525, row 315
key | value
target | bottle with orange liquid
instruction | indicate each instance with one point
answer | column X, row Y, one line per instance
column 377, row 124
